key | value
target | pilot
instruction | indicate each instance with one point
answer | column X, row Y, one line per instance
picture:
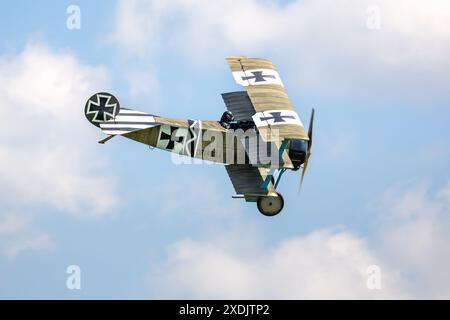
column 227, row 118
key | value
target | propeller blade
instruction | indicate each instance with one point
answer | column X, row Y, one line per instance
column 310, row 130
column 308, row 151
column 305, row 166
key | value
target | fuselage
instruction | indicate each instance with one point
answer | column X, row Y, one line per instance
column 240, row 143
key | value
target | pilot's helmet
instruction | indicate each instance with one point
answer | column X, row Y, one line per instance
column 227, row 117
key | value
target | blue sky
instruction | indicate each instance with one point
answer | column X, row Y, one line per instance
column 139, row 226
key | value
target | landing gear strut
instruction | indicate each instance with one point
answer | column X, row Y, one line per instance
column 271, row 205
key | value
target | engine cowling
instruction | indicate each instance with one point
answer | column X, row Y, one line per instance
column 297, row 152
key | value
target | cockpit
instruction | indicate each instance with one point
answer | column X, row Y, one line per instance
column 228, row 121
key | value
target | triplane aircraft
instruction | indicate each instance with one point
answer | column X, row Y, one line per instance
column 258, row 138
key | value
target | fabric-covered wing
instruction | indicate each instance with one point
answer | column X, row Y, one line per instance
column 273, row 108
column 253, row 71
column 247, row 181
column 239, row 104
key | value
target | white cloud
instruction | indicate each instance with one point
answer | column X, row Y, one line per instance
column 415, row 237
column 138, row 24
column 46, row 156
column 411, row 248
column 57, row 177
column 17, row 235
column 326, row 264
column 143, row 84
column 12, row 224
column 323, row 45
column 42, row 241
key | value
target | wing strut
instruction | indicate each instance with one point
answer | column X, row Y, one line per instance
column 283, row 170
column 272, row 170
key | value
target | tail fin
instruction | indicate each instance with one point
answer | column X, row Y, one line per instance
column 101, row 107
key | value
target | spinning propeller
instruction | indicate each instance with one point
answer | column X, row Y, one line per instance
column 308, row 151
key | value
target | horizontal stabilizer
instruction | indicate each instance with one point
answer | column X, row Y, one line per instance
column 128, row 121
column 103, row 110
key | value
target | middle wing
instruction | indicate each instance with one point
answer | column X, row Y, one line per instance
column 272, row 108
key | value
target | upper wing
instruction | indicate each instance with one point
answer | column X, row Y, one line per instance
column 271, row 105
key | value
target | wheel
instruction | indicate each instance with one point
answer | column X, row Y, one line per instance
column 271, row 206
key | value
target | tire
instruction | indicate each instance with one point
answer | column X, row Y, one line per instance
column 271, row 206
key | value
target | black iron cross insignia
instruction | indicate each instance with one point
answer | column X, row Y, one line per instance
column 277, row 117
column 171, row 138
column 102, row 109
column 259, row 76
